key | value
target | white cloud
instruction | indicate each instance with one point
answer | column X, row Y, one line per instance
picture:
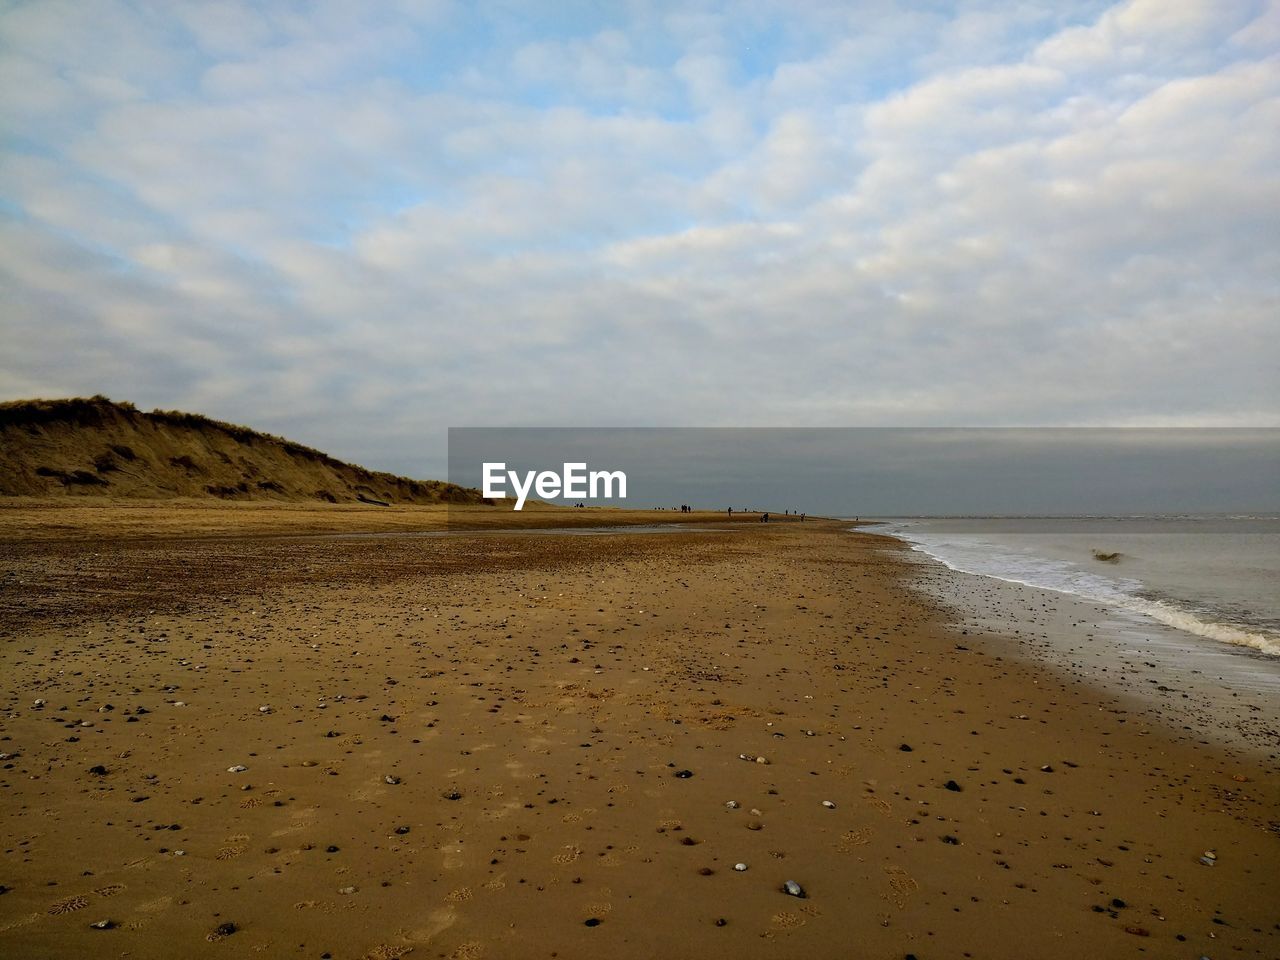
column 823, row 215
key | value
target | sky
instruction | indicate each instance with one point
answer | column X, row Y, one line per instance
column 359, row 224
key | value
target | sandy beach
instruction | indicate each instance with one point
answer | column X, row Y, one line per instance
column 507, row 744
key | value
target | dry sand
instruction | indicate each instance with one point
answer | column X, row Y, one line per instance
column 105, row 519
column 474, row 745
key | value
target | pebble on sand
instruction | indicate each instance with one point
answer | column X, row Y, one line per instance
column 238, row 768
column 793, row 889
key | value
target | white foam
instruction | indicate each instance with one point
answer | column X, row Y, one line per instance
column 972, row 555
column 1184, row 620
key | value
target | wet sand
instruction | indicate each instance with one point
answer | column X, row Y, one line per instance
column 1202, row 689
column 515, row 746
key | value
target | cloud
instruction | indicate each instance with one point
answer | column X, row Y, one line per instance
column 356, row 224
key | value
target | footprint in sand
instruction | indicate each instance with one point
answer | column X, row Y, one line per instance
column 500, row 813
column 67, row 905
column 787, row 919
column 452, row 856
column 110, row 890
column 440, row 920
column 571, row 853
column 901, row 885
column 299, row 822
column 236, row 838
column 230, row 853
column 571, row 818
column 471, row 950
column 879, row 804
column 854, row 838
column 20, row 922
column 387, row 951
column 461, row 895
column 250, row 802
column 496, row 883
column 598, row 909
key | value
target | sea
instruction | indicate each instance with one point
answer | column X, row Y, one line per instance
column 1212, row 577
column 1177, row 616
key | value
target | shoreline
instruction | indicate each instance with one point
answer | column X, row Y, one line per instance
column 535, row 699
column 1195, row 685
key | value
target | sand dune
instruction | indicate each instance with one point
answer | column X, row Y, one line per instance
column 95, row 447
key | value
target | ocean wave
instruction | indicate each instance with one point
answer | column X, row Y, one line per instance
column 976, row 557
column 1188, row 621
